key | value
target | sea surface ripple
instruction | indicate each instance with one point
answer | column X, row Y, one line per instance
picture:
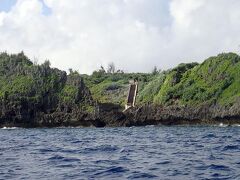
column 153, row 152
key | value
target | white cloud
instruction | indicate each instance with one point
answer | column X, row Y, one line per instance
column 135, row 34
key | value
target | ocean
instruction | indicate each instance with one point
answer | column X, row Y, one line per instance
column 152, row 152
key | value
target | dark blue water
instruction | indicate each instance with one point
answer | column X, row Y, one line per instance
column 176, row 152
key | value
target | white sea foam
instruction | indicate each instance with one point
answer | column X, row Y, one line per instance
column 236, row 125
column 9, row 128
column 150, row 126
column 223, row 125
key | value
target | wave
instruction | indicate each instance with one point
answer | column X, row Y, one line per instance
column 223, row 125
column 9, row 128
column 228, row 125
column 236, row 125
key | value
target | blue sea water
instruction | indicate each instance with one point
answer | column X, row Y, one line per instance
column 154, row 152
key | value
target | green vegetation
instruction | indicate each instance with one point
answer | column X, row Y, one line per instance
column 151, row 89
column 216, row 80
column 113, row 87
column 68, row 94
column 40, row 86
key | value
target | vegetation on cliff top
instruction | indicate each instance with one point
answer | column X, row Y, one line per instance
column 24, row 86
column 216, row 80
column 111, row 87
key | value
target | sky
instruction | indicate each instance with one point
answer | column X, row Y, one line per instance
column 134, row 34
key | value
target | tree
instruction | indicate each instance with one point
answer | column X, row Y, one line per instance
column 155, row 70
column 99, row 73
column 35, row 61
column 102, row 69
column 73, row 72
column 70, row 71
column 111, row 68
column 47, row 63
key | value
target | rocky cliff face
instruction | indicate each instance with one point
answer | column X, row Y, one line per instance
column 41, row 96
column 173, row 115
column 37, row 95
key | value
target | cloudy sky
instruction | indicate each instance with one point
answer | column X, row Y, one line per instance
column 134, row 34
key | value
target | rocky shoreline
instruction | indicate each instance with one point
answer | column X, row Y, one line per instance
column 137, row 116
column 36, row 95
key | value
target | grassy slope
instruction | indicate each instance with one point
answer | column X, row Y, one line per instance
column 113, row 88
column 216, row 80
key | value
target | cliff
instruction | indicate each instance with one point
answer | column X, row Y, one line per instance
column 34, row 95
column 38, row 95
